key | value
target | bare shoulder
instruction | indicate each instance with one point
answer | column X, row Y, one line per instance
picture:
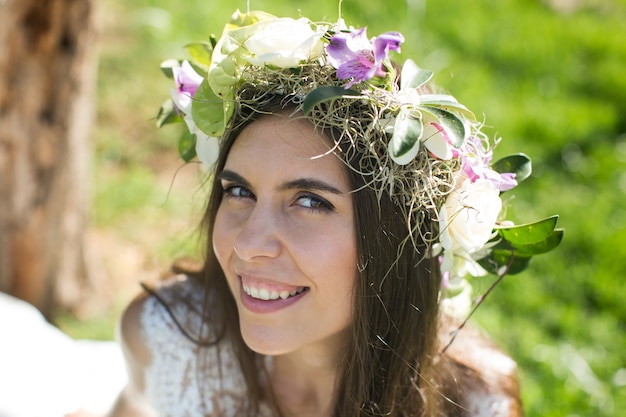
column 130, row 332
column 137, row 351
column 484, row 376
column 151, row 327
column 131, row 401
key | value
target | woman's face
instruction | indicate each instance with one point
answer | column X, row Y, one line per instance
column 285, row 237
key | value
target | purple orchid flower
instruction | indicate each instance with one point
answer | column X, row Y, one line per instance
column 476, row 160
column 187, row 79
column 357, row 58
column 501, row 181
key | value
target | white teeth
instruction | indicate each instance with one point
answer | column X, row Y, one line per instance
column 265, row 294
column 298, row 291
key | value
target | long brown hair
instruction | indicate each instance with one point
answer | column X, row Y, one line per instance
column 388, row 362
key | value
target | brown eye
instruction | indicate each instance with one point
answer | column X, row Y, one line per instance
column 314, row 202
column 237, row 191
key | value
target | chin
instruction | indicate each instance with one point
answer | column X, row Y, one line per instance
column 264, row 344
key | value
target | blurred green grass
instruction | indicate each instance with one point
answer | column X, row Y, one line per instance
column 548, row 75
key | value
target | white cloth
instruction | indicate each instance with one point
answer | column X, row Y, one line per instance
column 184, row 379
column 45, row 373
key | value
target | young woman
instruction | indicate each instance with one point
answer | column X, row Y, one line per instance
column 348, row 203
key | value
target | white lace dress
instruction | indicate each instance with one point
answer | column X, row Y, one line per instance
column 183, row 378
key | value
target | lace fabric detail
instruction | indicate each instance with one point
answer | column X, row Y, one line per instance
column 185, row 379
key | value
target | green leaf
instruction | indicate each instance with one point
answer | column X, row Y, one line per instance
column 519, row 164
column 456, row 128
column 239, row 19
column 325, row 93
column 498, row 259
column 187, row 146
column 536, row 248
column 200, row 53
column 446, row 102
column 168, row 114
column 530, row 233
column 166, row 67
column 404, row 143
column 208, row 110
column 223, row 76
column 520, row 244
column 413, row 76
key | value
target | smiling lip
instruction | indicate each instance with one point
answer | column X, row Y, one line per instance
column 261, row 306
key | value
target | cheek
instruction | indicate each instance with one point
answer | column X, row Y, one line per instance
column 340, row 262
column 222, row 238
column 349, row 265
column 343, row 274
column 344, row 252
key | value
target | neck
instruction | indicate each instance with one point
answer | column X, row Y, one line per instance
column 303, row 382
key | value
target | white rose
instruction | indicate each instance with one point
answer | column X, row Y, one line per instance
column 285, row 43
column 467, row 218
column 207, row 149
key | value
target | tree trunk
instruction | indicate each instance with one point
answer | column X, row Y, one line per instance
column 47, row 73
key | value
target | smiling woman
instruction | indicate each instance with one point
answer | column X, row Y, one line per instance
column 348, row 205
column 284, row 216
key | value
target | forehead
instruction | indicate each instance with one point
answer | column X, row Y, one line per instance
column 286, row 133
column 282, row 144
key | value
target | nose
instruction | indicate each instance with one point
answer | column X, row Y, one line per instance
column 259, row 236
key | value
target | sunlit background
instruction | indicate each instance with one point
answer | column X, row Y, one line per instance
column 549, row 78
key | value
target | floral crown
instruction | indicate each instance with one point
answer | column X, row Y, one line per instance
column 426, row 150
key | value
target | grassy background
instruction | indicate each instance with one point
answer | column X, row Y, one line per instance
column 548, row 75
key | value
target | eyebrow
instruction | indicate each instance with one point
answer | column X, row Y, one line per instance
column 231, row 176
column 310, row 184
